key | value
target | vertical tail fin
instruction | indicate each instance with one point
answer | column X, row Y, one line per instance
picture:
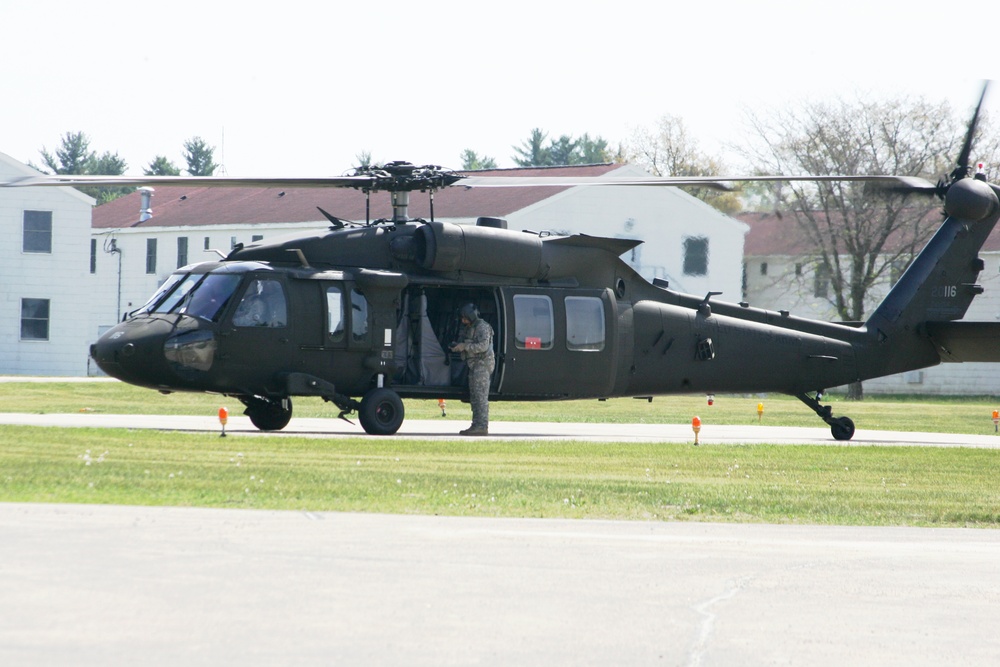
column 940, row 284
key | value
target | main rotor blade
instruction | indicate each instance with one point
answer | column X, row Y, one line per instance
column 895, row 183
column 194, row 181
column 902, row 183
column 572, row 181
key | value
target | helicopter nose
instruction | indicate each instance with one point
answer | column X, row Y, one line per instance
column 134, row 352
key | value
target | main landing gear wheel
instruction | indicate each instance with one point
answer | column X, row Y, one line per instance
column 268, row 415
column 381, row 412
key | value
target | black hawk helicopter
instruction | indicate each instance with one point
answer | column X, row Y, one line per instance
column 362, row 315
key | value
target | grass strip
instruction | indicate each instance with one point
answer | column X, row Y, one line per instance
column 901, row 486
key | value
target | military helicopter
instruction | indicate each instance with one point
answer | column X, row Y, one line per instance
column 362, row 314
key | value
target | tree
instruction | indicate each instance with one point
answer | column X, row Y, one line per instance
column 471, row 161
column 668, row 150
column 532, row 151
column 161, row 166
column 593, row 151
column 74, row 157
column 565, row 150
column 199, row 157
column 859, row 237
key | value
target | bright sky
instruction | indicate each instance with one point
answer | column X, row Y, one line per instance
column 300, row 88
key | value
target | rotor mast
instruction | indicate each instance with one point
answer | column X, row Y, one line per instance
column 400, row 179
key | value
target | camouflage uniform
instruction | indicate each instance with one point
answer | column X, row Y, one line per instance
column 476, row 346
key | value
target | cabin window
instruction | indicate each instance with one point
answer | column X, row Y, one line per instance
column 263, row 305
column 584, row 323
column 533, row 322
column 696, row 256
column 37, row 232
column 335, row 313
column 34, row 319
column 359, row 315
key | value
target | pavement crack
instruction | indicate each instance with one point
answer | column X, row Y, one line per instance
column 708, row 616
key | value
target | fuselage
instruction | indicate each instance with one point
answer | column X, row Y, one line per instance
column 375, row 306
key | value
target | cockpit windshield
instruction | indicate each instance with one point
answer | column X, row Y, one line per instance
column 164, row 289
column 201, row 295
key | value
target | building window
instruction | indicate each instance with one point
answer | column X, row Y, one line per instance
column 93, row 255
column 696, row 256
column 763, row 268
column 34, row 319
column 821, row 281
column 182, row 251
column 584, row 323
column 37, row 232
column 150, row 255
column 533, row 322
column 256, row 237
column 798, row 268
column 208, row 243
column 232, row 242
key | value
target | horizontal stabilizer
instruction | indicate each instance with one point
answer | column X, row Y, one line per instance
column 616, row 246
column 966, row 341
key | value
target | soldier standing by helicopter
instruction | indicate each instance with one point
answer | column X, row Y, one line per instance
column 476, row 347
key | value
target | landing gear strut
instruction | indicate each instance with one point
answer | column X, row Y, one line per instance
column 842, row 428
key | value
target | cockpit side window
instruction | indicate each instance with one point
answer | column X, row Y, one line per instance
column 335, row 313
column 263, row 305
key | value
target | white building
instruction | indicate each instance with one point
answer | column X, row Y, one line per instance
column 780, row 274
column 47, row 289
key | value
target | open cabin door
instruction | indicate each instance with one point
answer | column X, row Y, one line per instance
column 427, row 326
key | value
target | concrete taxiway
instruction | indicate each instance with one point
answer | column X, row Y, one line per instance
column 598, row 432
column 99, row 585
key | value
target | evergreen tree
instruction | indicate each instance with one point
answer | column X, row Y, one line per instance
column 471, row 161
column 74, row 157
column 161, row 166
column 199, row 157
column 532, row 153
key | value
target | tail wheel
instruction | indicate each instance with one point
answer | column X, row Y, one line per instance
column 267, row 414
column 381, row 412
column 842, row 428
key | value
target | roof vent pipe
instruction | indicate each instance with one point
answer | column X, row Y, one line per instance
column 145, row 208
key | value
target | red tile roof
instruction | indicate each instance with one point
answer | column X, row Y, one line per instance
column 175, row 206
column 776, row 234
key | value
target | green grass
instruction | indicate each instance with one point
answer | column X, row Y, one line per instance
column 757, row 483
column 832, row 484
